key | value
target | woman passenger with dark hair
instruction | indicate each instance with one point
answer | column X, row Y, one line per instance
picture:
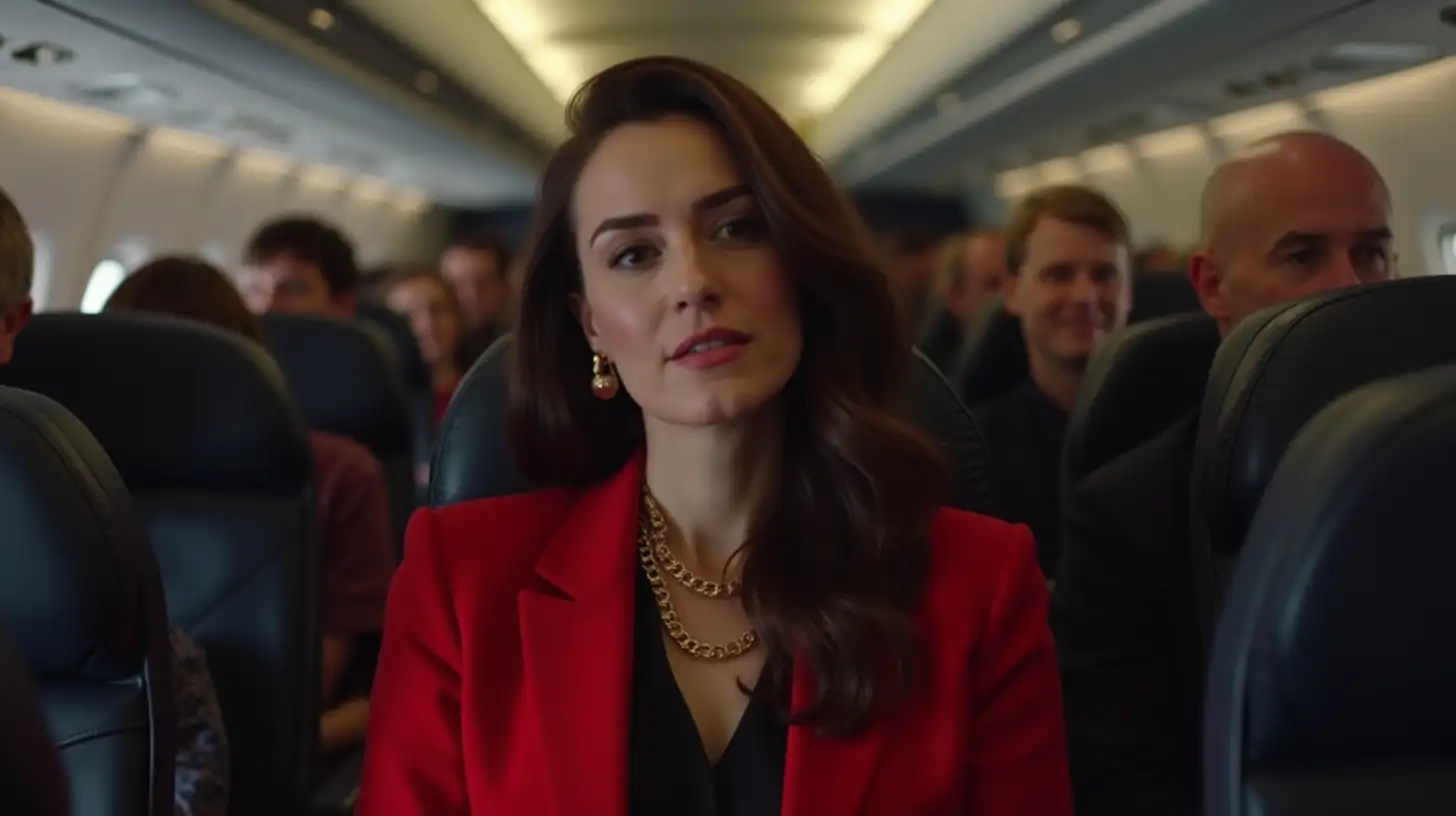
column 422, row 296
column 741, row 594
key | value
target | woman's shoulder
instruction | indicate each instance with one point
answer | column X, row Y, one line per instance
column 496, row 536
column 972, row 551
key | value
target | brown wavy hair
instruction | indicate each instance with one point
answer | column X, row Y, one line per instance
column 187, row 287
column 834, row 568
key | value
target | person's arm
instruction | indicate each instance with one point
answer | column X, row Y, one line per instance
column 412, row 759
column 1018, row 760
column 1119, row 677
column 358, row 564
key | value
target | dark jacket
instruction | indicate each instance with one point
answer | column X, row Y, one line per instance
column 1024, row 434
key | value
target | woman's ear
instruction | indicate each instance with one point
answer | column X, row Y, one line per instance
column 583, row 312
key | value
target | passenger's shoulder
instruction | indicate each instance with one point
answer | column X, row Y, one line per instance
column 499, row 530
column 969, row 544
column 334, row 454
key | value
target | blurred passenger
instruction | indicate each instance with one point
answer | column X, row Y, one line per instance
column 424, row 297
column 1071, row 285
column 1293, row 215
column 17, row 269
column 349, row 493
column 300, row 265
column 203, row 763
column 478, row 266
column 972, row 270
column 738, row 527
column 913, row 258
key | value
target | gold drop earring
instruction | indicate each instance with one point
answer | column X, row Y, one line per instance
column 604, row 377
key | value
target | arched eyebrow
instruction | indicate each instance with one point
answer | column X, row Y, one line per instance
column 709, row 202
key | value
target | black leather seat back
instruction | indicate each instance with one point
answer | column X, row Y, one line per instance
column 417, row 382
column 992, row 359
column 1329, row 689
column 200, row 424
column 473, row 458
column 346, row 378
column 1276, row 370
column 81, row 594
column 32, row 779
column 1161, row 294
column 1138, row 383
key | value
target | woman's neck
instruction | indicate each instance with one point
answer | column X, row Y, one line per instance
column 710, row 484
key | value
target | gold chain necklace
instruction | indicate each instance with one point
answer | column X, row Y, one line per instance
column 649, row 538
column 677, row 569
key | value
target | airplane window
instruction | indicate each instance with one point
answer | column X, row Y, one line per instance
column 104, row 279
column 1448, row 248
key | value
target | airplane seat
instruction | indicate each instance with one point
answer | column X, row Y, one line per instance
column 473, row 458
column 201, row 426
column 417, row 381
column 1160, row 294
column 82, row 597
column 1139, row 382
column 1276, row 370
column 31, row 777
column 1329, row 689
column 346, row 380
column 992, row 357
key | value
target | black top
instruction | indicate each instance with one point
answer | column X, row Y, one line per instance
column 670, row 774
column 1024, row 433
column 1127, row 627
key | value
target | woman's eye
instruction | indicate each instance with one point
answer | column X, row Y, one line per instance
column 741, row 229
column 632, row 256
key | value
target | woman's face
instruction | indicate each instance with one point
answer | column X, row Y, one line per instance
column 431, row 315
column 682, row 289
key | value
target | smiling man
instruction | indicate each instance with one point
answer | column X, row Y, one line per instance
column 1070, row 283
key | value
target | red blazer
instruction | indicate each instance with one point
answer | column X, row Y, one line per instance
column 504, row 682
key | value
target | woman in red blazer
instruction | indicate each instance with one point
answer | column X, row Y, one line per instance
column 743, row 596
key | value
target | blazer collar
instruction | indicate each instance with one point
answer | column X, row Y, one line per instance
column 578, row 648
column 592, row 550
column 576, row 641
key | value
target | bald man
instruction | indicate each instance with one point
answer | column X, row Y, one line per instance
column 1293, row 215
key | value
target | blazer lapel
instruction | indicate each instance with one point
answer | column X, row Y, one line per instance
column 576, row 633
column 826, row 777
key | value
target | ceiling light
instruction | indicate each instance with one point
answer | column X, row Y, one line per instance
column 321, row 19
column 880, row 29
column 427, row 82
column 526, row 29
column 1067, row 30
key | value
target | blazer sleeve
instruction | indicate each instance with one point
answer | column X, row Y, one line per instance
column 412, row 763
column 1123, row 713
column 1018, row 760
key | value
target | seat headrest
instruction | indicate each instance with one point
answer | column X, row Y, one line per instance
column 1138, row 383
column 402, row 340
column 1281, row 366
column 1333, row 650
column 992, row 358
column 473, row 457
column 1160, row 294
column 31, row 778
column 75, row 552
column 175, row 403
column 345, row 377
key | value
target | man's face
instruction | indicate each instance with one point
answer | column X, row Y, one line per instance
column 1290, row 233
column 288, row 284
column 11, row 322
column 480, row 284
column 1073, row 288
